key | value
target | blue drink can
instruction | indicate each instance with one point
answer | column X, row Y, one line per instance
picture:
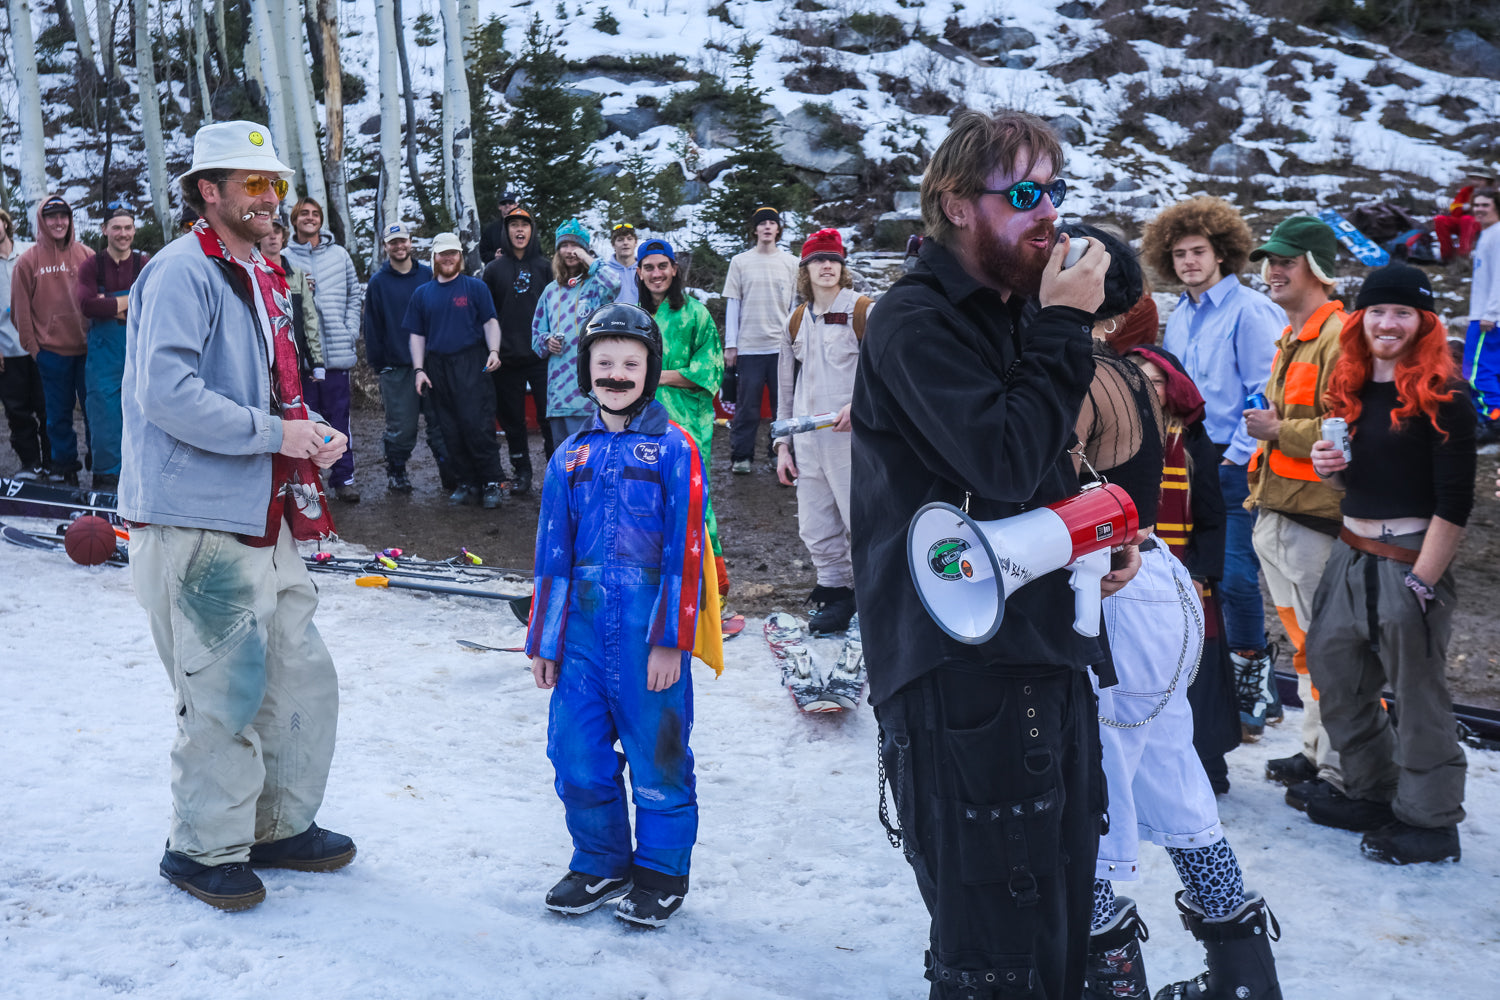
column 1257, row 401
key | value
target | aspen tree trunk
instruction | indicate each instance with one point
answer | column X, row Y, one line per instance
column 294, row 61
column 468, row 20
column 150, row 101
column 388, row 207
column 221, row 41
column 200, row 64
column 81, row 33
column 273, row 84
column 33, row 139
column 333, row 104
column 419, row 187
column 459, row 139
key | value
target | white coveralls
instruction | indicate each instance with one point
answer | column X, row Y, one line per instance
column 828, row 354
column 1158, row 790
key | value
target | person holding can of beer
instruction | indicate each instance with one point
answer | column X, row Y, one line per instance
column 1383, row 612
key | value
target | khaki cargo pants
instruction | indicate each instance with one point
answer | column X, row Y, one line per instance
column 256, row 692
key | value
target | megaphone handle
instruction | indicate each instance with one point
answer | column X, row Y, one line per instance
column 1085, row 572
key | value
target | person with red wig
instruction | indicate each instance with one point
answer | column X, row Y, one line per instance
column 1383, row 612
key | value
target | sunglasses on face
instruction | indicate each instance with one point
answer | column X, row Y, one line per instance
column 257, row 185
column 1026, row 195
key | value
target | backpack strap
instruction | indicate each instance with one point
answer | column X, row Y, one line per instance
column 796, row 321
column 861, row 310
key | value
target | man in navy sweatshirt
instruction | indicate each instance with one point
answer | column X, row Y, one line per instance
column 388, row 349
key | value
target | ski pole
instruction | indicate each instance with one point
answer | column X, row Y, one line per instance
column 434, row 588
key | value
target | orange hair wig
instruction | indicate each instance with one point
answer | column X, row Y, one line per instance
column 1425, row 377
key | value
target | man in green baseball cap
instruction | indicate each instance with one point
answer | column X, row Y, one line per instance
column 1298, row 515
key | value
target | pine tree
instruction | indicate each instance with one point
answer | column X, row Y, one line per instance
column 757, row 175
column 546, row 143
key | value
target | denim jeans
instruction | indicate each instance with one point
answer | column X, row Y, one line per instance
column 64, row 386
column 1244, row 611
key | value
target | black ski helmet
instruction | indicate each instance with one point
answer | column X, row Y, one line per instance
column 618, row 319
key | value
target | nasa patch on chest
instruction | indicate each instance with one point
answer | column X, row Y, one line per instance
column 647, row 452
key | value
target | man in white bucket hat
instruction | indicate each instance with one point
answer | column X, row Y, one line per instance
column 219, row 477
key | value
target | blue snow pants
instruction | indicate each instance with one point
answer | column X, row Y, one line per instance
column 600, row 698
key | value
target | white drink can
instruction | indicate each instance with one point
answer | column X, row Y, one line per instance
column 1335, row 429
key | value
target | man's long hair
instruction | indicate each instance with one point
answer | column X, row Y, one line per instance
column 975, row 146
column 1426, row 376
column 675, row 296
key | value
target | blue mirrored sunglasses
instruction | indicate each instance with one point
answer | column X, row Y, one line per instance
column 1026, row 195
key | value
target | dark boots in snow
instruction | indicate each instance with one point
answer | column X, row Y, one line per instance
column 1240, row 965
column 1115, row 970
column 832, row 607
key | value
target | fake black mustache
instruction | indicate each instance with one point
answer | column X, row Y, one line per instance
column 617, row 384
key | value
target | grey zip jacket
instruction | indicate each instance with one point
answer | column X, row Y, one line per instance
column 199, row 431
column 337, row 294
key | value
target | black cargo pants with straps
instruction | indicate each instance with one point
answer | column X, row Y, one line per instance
column 999, row 792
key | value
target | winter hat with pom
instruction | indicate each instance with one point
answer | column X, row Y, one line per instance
column 825, row 244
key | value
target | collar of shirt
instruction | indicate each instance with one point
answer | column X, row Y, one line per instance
column 1215, row 296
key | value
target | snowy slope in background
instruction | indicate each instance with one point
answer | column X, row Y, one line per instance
column 441, row 777
column 1355, row 147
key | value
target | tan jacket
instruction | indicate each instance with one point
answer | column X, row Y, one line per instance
column 1281, row 472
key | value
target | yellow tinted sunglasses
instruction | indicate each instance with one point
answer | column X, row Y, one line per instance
column 258, row 184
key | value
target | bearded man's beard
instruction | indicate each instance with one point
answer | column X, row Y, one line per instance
column 445, row 270
column 1017, row 266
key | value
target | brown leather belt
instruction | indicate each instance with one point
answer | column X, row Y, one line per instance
column 1382, row 549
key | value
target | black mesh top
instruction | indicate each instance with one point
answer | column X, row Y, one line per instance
column 1121, row 430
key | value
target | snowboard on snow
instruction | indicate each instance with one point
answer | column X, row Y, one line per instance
column 1361, row 246
column 814, row 690
column 29, row 498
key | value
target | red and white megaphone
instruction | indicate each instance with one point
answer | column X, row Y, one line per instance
column 965, row 570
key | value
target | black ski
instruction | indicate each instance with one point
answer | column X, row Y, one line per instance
column 27, row 498
column 53, row 543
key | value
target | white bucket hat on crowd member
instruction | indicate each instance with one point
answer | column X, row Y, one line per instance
column 443, row 242
column 236, row 146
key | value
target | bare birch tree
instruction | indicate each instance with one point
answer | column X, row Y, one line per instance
column 264, row 22
column 458, row 139
column 418, row 186
column 299, row 92
column 33, row 139
column 200, row 64
column 388, row 206
column 150, row 101
column 333, row 104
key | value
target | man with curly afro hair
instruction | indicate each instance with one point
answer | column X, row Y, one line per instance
column 1226, row 334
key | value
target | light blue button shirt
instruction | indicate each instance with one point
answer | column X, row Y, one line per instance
column 1226, row 341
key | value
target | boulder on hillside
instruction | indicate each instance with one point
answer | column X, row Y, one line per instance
column 1473, row 54
column 907, row 201
column 371, row 126
column 864, row 34
column 633, row 122
column 1230, row 160
column 894, row 228
column 987, row 40
column 1069, row 129
column 800, row 140
column 1075, row 8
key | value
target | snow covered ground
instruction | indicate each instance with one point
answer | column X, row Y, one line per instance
column 441, row 777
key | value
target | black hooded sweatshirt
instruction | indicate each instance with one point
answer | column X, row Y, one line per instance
column 516, row 286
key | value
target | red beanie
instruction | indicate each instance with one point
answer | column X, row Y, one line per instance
column 823, row 245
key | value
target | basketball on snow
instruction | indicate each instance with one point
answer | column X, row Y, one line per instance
column 90, row 540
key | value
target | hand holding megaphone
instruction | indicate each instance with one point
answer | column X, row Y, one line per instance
column 964, row 570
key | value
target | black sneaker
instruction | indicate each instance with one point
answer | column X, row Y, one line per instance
column 35, row 474
column 1291, row 770
column 493, row 496
column 231, row 886
column 1403, row 844
column 313, row 850
column 522, row 481
column 579, row 892
column 1303, row 792
column 464, row 494
column 397, row 481
column 832, row 607
column 446, row 477
column 1343, row 813
column 346, row 492
column 654, row 898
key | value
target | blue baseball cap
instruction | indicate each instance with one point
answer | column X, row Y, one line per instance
column 650, row 247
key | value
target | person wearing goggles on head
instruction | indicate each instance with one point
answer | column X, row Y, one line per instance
column 219, row 480
column 623, row 238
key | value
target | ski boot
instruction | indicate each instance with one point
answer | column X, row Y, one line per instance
column 520, row 467
column 1115, row 970
column 396, row 479
column 1403, row 844
column 1255, row 684
column 1240, row 964
column 832, row 607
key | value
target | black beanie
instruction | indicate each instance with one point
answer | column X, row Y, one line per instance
column 1122, row 282
column 1396, row 285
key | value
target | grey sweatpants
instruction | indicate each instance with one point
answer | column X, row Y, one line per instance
column 1420, row 767
column 256, row 694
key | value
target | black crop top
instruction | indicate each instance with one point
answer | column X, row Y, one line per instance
column 1121, row 431
column 1412, row 472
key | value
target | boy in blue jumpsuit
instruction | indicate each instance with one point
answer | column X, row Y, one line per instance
column 619, row 562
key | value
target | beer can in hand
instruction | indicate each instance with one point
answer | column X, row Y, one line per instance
column 1335, row 429
column 1257, row 401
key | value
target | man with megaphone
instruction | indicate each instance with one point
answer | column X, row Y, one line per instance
column 970, row 381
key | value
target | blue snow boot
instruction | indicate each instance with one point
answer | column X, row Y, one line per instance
column 230, row 886
column 313, row 850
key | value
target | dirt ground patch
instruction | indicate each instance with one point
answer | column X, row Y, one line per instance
column 768, row 566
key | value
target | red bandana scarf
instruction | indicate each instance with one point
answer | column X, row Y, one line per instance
column 297, row 491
